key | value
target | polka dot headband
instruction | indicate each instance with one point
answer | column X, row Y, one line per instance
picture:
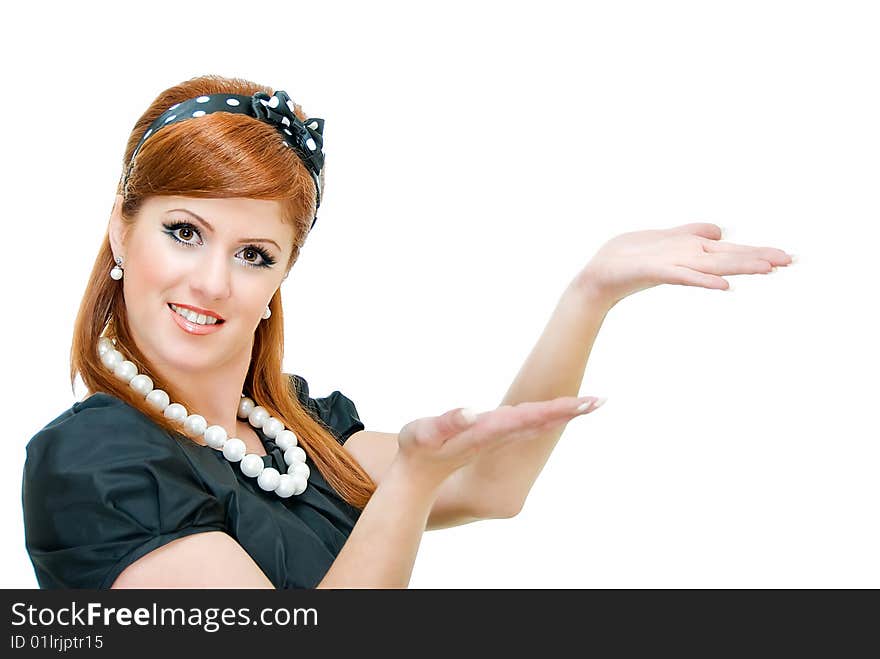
column 306, row 139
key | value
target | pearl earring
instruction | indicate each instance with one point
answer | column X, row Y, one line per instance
column 116, row 272
column 267, row 313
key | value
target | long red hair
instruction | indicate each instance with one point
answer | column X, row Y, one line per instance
column 219, row 156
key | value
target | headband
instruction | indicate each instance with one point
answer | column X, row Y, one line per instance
column 306, row 139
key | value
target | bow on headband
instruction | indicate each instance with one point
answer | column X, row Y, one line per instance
column 305, row 138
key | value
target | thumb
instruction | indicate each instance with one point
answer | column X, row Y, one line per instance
column 435, row 430
column 451, row 423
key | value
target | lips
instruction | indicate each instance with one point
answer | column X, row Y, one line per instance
column 199, row 310
column 193, row 328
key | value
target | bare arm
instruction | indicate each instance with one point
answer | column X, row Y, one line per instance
column 211, row 559
column 453, row 506
column 382, row 547
column 495, row 484
column 555, row 367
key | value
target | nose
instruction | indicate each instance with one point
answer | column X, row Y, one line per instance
column 211, row 278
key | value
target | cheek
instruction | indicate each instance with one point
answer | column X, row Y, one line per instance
column 157, row 269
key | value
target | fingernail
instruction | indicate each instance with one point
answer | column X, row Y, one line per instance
column 730, row 286
column 794, row 258
column 469, row 415
column 585, row 406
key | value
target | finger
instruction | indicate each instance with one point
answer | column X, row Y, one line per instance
column 770, row 254
column 435, row 430
column 556, row 420
column 727, row 263
column 509, row 419
column 684, row 276
column 532, row 414
column 703, row 229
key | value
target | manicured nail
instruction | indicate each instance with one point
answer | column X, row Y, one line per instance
column 469, row 415
column 794, row 258
column 729, row 286
column 585, row 406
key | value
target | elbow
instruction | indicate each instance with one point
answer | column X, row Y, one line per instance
column 508, row 511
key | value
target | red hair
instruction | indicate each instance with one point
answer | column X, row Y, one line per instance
column 221, row 155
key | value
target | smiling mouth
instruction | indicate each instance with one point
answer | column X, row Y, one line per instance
column 218, row 322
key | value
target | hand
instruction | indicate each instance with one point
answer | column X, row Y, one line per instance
column 436, row 446
column 689, row 255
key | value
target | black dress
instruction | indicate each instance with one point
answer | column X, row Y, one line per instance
column 104, row 485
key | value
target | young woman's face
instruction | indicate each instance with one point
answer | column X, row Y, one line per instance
column 227, row 256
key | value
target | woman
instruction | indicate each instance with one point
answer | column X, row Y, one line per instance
column 195, row 461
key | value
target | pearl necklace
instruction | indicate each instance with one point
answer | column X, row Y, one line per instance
column 294, row 482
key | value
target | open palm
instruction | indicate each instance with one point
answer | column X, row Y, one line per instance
column 441, row 444
column 688, row 255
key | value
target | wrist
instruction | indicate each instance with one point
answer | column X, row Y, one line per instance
column 417, row 481
column 586, row 291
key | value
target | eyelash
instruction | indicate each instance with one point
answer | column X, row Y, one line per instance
column 268, row 261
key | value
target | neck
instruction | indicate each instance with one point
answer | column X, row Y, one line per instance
column 214, row 393
column 215, row 397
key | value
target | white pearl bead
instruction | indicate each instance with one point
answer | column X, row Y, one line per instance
column 195, row 424
column 294, row 454
column 141, row 384
column 215, row 436
column 111, row 358
column 158, row 399
column 257, row 416
column 285, row 439
column 175, row 412
column 269, row 479
column 299, row 469
column 116, row 273
column 294, row 482
column 300, row 483
column 286, row 486
column 104, row 344
column 272, row 426
column 234, row 449
column 125, row 371
column 245, row 407
column 252, row 465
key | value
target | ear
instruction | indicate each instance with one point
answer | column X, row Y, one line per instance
column 117, row 229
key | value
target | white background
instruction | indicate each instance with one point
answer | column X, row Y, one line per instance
column 478, row 154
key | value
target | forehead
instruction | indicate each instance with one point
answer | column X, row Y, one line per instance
column 235, row 213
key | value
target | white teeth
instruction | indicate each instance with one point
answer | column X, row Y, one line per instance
column 193, row 317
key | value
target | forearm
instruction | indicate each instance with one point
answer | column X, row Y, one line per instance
column 503, row 477
column 382, row 547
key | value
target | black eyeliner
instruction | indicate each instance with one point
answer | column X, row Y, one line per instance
column 171, row 227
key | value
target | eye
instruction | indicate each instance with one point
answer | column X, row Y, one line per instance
column 187, row 230
column 255, row 253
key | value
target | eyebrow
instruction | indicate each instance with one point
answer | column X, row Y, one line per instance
column 210, row 228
